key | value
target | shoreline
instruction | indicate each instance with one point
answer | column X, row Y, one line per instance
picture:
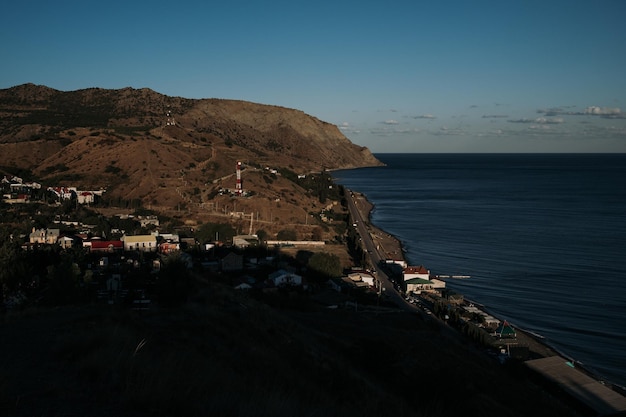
column 536, row 343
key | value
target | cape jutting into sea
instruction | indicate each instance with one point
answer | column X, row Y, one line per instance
column 543, row 237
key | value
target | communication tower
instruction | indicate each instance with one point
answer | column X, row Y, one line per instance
column 238, row 187
column 170, row 119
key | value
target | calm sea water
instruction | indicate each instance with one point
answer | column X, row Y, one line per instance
column 543, row 237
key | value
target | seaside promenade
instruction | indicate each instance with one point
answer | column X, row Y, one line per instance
column 597, row 395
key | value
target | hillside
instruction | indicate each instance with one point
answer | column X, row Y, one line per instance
column 226, row 354
column 170, row 153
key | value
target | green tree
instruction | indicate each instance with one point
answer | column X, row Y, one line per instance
column 287, row 234
column 325, row 265
column 210, row 232
column 15, row 268
column 262, row 235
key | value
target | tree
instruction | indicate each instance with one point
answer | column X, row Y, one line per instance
column 262, row 235
column 317, row 234
column 174, row 281
column 63, row 281
column 210, row 232
column 287, row 234
column 325, row 265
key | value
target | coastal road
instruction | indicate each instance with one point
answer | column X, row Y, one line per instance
column 360, row 220
column 376, row 254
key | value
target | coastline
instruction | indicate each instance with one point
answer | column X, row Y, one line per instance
column 392, row 247
column 538, row 347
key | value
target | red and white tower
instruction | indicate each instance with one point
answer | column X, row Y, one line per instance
column 238, row 187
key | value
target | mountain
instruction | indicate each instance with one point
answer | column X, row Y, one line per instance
column 165, row 151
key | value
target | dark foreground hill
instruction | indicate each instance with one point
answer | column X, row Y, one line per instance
column 227, row 354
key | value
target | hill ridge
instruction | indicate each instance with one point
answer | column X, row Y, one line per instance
column 163, row 151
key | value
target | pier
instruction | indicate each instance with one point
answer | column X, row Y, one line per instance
column 452, row 276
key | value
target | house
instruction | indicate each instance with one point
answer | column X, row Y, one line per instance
column 141, row 243
column 417, row 285
column 411, row 272
column 85, row 197
column 63, row 193
column 106, row 246
column 45, row 236
column 231, row 262
column 245, row 241
column 66, row 242
column 363, row 277
column 283, row 278
column 146, row 221
column 168, row 247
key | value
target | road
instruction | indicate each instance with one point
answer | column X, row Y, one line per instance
column 375, row 254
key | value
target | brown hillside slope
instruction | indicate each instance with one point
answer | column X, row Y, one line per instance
column 168, row 152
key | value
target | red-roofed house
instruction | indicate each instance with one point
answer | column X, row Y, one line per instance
column 411, row 272
column 106, row 245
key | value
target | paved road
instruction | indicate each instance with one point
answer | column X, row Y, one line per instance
column 375, row 253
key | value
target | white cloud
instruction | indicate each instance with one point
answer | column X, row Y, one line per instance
column 539, row 120
column 495, row 116
column 390, row 122
column 603, row 111
column 348, row 128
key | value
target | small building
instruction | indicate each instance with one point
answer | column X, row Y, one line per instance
column 417, row 285
column 360, row 276
column 146, row 221
column 168, row 247
column 411, row 272
column 140, row 243
column 85, row 197
column 108, row 246
column 505, row 331
column 245, row 241
column 44, row 236
column 66, row 242
column 283, row 278
column 231, row 262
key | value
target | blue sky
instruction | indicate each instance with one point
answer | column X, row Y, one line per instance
column 395, row 76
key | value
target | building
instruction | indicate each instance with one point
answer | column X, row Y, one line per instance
column 417, row 285
column 411, row 272
column 282, row 278
column 140, row 243
column 108, row 246
column 44, row 236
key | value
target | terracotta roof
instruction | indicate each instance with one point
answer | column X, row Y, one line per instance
column 105, row 244
column 416, row 270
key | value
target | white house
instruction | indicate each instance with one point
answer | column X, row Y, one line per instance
column 411, row 272
column 417, row 285
column 49, row 236
column 283, row 278
column 141, row 243
column 362, row 277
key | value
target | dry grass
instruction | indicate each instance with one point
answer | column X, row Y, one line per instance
column 226, row 354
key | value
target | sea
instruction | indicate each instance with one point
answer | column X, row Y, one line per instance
column 542, row 237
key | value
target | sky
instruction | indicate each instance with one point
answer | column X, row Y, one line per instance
column 394, row 76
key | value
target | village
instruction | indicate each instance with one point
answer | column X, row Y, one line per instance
column 122, row 266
